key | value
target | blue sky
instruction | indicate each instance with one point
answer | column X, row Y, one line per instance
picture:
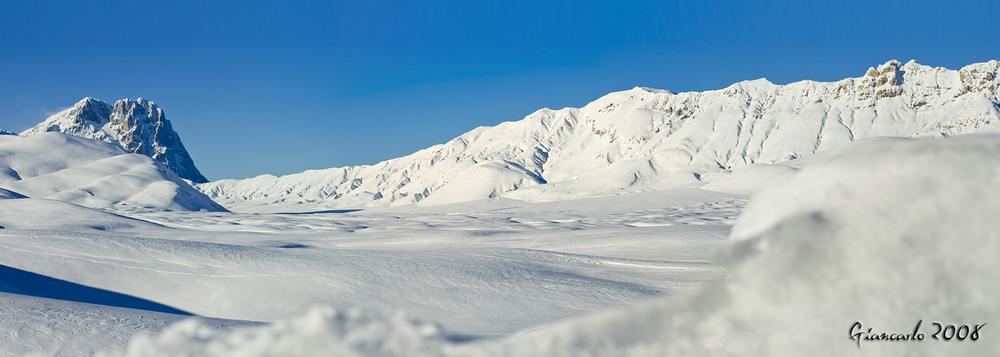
column 281, row 87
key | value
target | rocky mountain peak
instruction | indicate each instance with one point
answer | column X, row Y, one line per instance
column 138, row 125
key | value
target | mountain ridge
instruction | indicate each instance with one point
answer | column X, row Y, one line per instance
column 647, row 139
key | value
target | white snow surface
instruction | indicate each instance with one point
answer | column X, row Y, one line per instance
column 477, row 270
column 91, row 173
column 644, row 139
column 887, row 233
column 49, row 327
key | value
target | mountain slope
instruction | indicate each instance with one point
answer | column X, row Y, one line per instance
column 91, row 173
column 646, row 138
column 139, row 126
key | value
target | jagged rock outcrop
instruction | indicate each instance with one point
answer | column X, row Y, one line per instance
column 139, row 126
column 646, row 139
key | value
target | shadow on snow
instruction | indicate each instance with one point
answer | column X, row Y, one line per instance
column 17, row 281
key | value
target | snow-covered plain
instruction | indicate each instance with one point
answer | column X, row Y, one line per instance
column 886, row 233
column 481, row 269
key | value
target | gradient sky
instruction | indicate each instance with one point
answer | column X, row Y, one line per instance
column 281, row 87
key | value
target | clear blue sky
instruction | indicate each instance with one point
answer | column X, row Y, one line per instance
column 281, row 87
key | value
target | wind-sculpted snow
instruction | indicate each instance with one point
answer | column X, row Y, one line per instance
column 893, row 234
column 139, row 126
column 643, row 139
column 478, row 270
column 36, row 326
column 91, row 173
column 323, row 331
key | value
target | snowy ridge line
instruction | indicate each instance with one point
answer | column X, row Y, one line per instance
column 642, row 138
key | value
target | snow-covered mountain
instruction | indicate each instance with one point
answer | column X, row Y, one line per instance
column 91, row 173
column 646, row 138
column 139, row 126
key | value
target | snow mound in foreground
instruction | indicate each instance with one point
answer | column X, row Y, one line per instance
column 322, row 331
column 885, row 233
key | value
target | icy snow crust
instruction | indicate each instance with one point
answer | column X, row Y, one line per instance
column 643, row 139
column 887, row 233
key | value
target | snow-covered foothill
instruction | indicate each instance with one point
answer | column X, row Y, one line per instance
column 644, row 139
column 92, row 173
column 887, row 233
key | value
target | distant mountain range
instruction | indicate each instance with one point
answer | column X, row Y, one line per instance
column 634, row 140
column 643, row 139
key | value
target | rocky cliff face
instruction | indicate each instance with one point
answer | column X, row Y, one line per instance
column 648, row 139
column 139, row 126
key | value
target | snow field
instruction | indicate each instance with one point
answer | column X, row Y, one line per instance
column 887, row 233
column 477, row 270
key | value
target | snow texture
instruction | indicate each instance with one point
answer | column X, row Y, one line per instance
column 139, row 126
column 51, row 327
column 321, row 331
column 644, row 139
column 477, row 270
column 887, row 233
column 91, row 173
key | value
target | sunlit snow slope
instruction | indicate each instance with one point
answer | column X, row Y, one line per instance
column 644, row 138
column 91, row 173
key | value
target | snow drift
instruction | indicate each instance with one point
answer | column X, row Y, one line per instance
column 887, row 233
column 93, row 174
column 321, row 331
column 643, row 139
